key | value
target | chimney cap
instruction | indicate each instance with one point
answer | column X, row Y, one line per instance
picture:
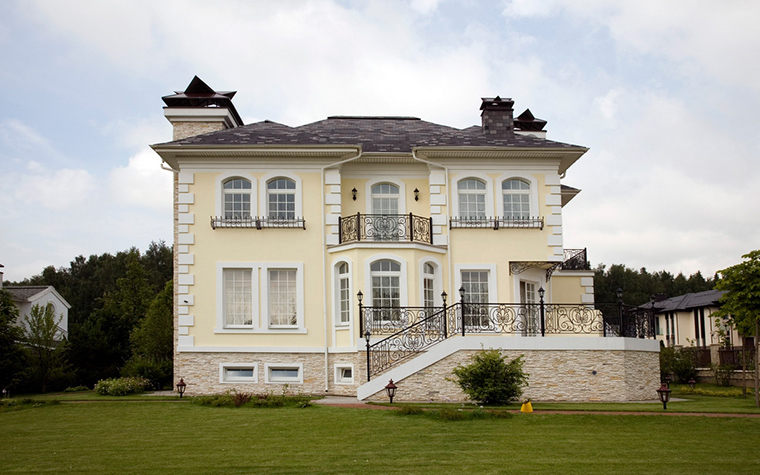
column 199, row 94
column 491, row 103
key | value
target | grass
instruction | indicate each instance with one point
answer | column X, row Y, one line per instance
column 113, row 436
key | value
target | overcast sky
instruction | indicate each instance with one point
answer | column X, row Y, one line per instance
column 664, row 93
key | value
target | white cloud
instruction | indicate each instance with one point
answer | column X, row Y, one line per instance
column 53, row 189
column 142, row 182
column 425, row 7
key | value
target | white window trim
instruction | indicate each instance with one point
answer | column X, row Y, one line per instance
column 493, row 295
column 263, row 206
column 220, row 267
column 298, row 266
column 225, row 366
column 533, row 193
column 403, row 281
column 454, row 199
column 380, row 180
column 336, row 293
column 269, row 366
column 338, row 368
column 260, row 297
column 219, row 182
column 437, row 281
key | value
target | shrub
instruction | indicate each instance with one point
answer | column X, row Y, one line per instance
column 682, row 363
column 121, row 386
column 75, row 389
column 158, row 372
column 491, row 379
column 238, row 399
column 723, row 373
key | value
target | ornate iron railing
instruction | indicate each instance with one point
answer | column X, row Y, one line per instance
column 407, row 342
column 496, row 222
column 575, row 259
column 385, row 227
column 414, row 329
column 257, row 222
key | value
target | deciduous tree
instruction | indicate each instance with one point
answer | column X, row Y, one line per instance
column 741, row 303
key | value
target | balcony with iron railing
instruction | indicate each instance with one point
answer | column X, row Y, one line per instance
column 257, row 222
column 497, row 222
column 386, row 228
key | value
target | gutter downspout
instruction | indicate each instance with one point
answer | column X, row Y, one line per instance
column 448, row 213
column 324, row 261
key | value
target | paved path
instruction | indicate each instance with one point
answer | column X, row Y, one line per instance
column 352, row 402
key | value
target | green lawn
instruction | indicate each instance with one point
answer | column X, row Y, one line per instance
column 135, row 437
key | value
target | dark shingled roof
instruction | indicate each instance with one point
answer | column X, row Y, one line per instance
column 708, row 298
column 374, row 134
column 24, row 293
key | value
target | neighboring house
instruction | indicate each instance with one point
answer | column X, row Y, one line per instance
column 687, row 320
column 297, row 248
column 43, row 295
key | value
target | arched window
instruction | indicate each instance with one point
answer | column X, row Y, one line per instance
column 385, row 275
column 237, row 198
column 472, row 198
column 281, row 199
column 516, row 196
column 344, row 295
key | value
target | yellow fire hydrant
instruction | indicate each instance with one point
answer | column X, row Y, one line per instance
column 527, row 406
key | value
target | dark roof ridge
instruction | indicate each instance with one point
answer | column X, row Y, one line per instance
column 373, row 117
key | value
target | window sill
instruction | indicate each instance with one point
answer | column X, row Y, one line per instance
column 262, row 331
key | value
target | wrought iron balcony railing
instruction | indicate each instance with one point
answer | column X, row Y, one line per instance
column 575, row 259
column 385, row 227
column 414, row 329
column 497, row 222
column 257, row 222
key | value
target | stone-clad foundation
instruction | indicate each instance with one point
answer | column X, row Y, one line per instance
column 554, row 375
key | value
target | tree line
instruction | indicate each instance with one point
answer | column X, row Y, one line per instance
column 120, row 322
column 639, row 286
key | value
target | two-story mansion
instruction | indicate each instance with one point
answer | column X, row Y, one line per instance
column 336, row 255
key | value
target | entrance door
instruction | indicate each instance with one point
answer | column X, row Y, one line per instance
column 529, row 299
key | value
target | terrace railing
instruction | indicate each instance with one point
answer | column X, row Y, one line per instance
column 407, row 331
column 385, row 227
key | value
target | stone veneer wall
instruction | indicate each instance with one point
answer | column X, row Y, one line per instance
column 201, row 372
column 190, row 129
column 554, row 375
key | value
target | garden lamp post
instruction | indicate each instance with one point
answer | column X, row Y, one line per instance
column 181, row 387
column 390, row 389
column 664, row 393
column 367, row 337
column 692, row 383
column 668, row 379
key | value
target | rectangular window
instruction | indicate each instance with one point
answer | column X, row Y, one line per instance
column 283, row 296
column 344, row 374
column 238, row 373
column 238, row 307
column 284, row 373
column 345, row 301
column 475, row 285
